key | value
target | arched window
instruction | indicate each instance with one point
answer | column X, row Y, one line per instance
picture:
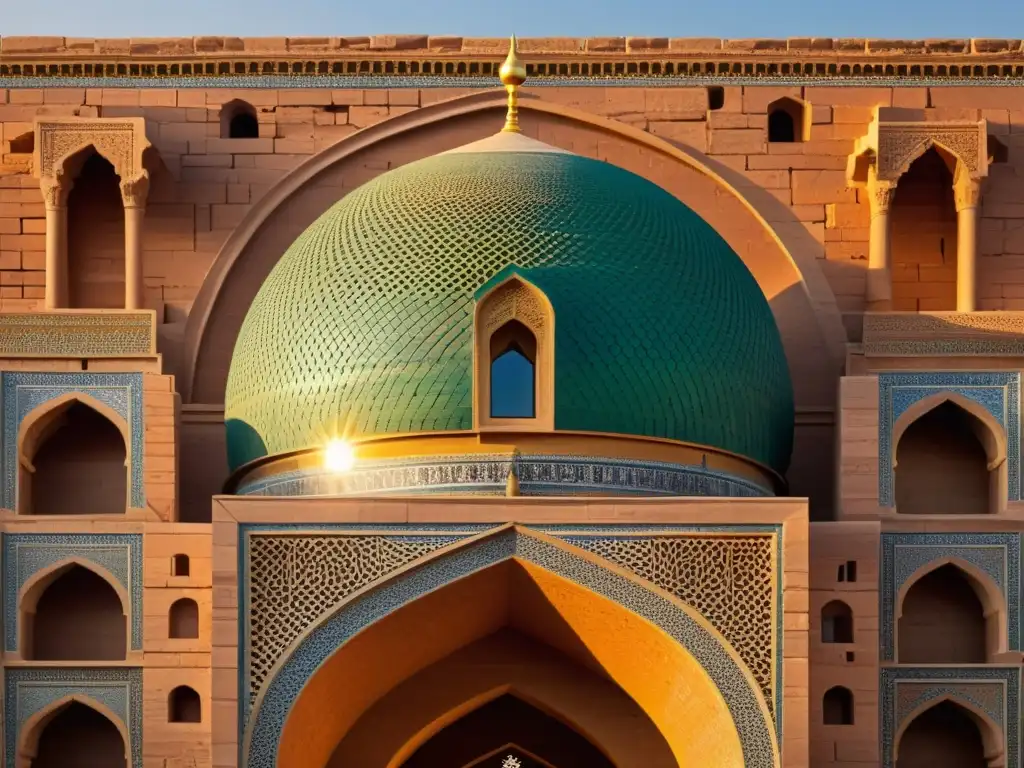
column 837, row 706
column 180, row 565
column 238, row 121
column 77, row 736
column 513, row 358
column 513, row 372
column 943, row 621
column 942, row 465
column 945, row 736
column 788, row 121
column 78, row 464
column 77, row 616
column 95, row 239
column 184, row 706
column 836, row 623
column 184, row 619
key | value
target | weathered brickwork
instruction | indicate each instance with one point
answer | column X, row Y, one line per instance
column 206, row 184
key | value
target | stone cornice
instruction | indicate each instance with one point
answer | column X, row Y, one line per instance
column 555, row 58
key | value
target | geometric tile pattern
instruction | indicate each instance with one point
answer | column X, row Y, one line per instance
column 998, row 393
column 20, row 393
column 992, row 690
column 30, row 691
column 998, row 555
column 26, row 554
column 262, row 734
column 487, row 475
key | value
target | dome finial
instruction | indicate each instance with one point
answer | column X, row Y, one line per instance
column 513, row 75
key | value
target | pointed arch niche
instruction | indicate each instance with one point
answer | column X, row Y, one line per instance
column 949, row 457
column 73, row 459
column 513, row 357
column 98, row 737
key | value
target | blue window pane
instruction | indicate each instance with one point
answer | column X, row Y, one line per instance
column 512, row 384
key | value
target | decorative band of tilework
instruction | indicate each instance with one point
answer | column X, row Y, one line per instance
column 998, row 393
column 21, row 393
column 29, row 692
column 486, row 475
column 905, row 691
column 26, row 555
column 77, row 334
column 997, row 555
column 756, row 731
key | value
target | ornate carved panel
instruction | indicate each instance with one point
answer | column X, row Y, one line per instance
column 999, row 393
column 78, row 334
column 122, row 141
column 998, row 555
column 28, row 692
column 677, row 559
column 900, row 144
column 944, row 334
column 906, row 691
column 20, row 393
column 296, row 575
column 26, row 554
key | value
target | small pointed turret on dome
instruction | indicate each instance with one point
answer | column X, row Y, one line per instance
column 513, row 75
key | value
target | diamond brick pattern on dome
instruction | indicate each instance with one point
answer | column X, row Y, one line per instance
column 364, row 327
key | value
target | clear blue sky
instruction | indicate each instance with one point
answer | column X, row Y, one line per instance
column 913, row 19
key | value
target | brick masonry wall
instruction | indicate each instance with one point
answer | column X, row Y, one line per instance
column 208, row 183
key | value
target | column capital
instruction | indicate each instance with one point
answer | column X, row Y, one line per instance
column 134, row 191
column 966, row 191
column 55, row 192
column 880, row 195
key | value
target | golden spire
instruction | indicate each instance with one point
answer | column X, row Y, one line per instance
column 513, row 75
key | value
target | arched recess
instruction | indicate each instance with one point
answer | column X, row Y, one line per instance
column 960, row 616
column 789, row 120
column 87, row 619
column 33, row 749
column 95, row 234
column 512, row 314
column 89, row 470
column 507, row 662
column 941, row 472
column 776, row 247
column 948, row 732
column 699, row 695
column 238, row 120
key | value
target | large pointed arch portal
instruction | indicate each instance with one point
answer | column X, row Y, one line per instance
column 690, row 683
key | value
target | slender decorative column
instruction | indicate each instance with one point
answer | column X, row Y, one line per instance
column 133, row 194
column 55, row 199
column 966, row 193
column 880, row 197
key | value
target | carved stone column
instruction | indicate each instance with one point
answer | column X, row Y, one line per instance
column 133, row 194
column 966, row 193
column 55, row 199
column 879, row 288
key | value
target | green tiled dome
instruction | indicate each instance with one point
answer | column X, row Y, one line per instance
column 364, row 327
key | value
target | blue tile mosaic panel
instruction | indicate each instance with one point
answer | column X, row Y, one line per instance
column 28, row 692
column 995, row 691
column 997, row 555
column 21, row 393
column 757, row 731
column 998, row 393
column 27, row 554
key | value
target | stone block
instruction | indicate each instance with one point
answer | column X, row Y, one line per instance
column 347, row 97
column 738, row 142
column 757, row 98
column 606, row 44
column 675, row 103
column 692, row 134
column 854, row 97
column 821, row 187
column 361, row 117
column 398, row 42
column 18, row 44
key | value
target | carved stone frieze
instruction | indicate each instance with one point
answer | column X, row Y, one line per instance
column 881, row 195
column 514, row 301
column 900, row 144
column 121, row 141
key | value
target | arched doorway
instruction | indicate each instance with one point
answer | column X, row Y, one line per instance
column 944, row 621
column 509, row 580
column 924, row 236
column 484, row 732
column 77, row 736
column 945, row 736
column 96, row 261
column 74, row 615
column 77, row 463
column 942, row 465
